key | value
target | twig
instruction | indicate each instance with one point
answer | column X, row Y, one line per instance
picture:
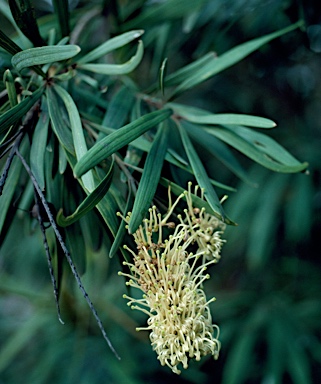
column 49, row 260
column 66, row 252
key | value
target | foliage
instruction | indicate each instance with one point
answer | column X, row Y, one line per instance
column 103, row 106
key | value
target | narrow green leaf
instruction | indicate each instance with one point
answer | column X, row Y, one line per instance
column 10, row 188
column 11, row 88
column 62, row 160
column 19, row 110
column 119, row 108
column 117, row 69
column 229, row 58
column 219, row 150
column 276, row 356
column 122, row 228
column 144, row 145
column 90, row 201
column 118, row 139
column 186, row 72
column 24, row 15
column 6, row 12
column 262, row 230
column 162, row 75
column 58, row 125
column 61, row 8
column 240, row 357
column 43, row 55
column 110, row 45
column 150, row 178
column 200, row 116
column 38, row 146
column 256, row 152
column 201, row 175
column 77, row 133
column 20, row 340
column 9, row 45
column 164, row 11
column 265, row 144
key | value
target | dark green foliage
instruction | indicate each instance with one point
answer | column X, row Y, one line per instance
column 115, row 101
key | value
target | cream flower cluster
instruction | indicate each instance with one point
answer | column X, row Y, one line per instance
column 169, row 267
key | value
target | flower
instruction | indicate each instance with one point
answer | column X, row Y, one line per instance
column 170, row 271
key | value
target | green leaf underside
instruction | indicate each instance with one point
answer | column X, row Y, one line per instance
column 38, row 146
column 90, row 201
column 58, row 125
column 150, row 178
column 116, row 69
column 110, row 45
column 15, row 113
column 260, row 153
column 228, row 59
column 118, row 139
column 43, row 55
column 197, row 201
column 200, row 116
column 79, row 140
column 201, row 175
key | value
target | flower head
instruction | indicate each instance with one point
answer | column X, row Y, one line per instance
column 170, row 270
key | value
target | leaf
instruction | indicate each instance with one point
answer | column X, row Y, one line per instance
column 144, row 145
column 164, row 11
column 90, row 201
column 58, row 125
column 19, row 110
column 9, row 190
column 61, row 8
column 118, row 139
column 116, row 69
column 119, row 108
column 262, row 225
column 110, row 45
column 240, row 357
column 150, row 178
column 11, row 88
column 24, row 15
column 255, row 152
column 162, row 75
column 201, row 175
column 43, row 55
column 122, row 228
column 200, row 116
column 186, row 72
column 218, row 149
column 9, row 45
column 77, row 133
column 266, row 144
column 38, row 146
column 229, row 58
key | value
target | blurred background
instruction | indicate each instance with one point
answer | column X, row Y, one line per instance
column 268, row 282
